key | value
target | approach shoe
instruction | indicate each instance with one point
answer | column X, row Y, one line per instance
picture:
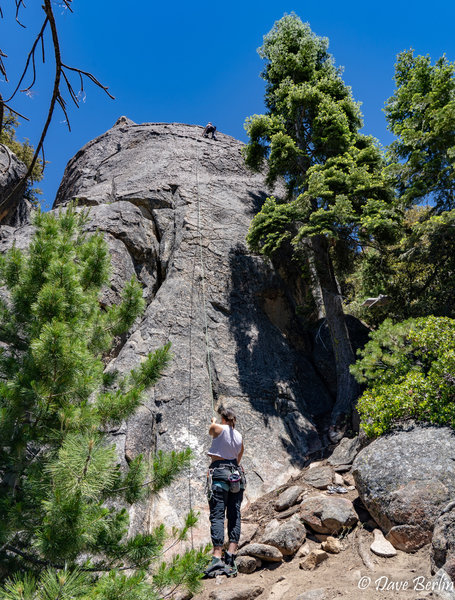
column 231, row 568
column 216, row 567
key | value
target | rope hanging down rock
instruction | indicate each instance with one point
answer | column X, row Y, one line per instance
column 204, row 299
column 206, row 335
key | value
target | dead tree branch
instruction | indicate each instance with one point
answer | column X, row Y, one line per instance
column 61, row 74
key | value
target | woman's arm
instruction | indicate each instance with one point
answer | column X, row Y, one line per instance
column 240, row 454
column 215, row 429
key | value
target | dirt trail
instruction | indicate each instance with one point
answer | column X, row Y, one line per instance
column 342, row 575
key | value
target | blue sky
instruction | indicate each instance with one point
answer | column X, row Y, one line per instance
column 195, row 62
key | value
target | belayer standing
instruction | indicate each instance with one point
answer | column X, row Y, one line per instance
column 209, row 128
column 225, row 485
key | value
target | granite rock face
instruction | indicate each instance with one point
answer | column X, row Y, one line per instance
column 14, row 208
column 175, row 209
column 405, row 479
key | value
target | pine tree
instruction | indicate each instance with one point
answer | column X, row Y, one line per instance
column 416, row 270
column 421, row 114
column 337, row 200
column 61, row 485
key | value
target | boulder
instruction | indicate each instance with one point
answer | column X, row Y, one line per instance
column 338, row 479
column 407, row 538
column 237, row 592
column 289, row 512
column 319, row 477
column 348, row 479
column 304, row 550
column 247, row 564
column 442, row 586
column 404, row 480
column 328, row 514
column 175, row 209
column 443, row 542
column 287, row 536
column 381, row 546
column 247, row 533
column 288, row 498
column 262, row 551
column 345, row 452
column 314, row 558
column 342, row 468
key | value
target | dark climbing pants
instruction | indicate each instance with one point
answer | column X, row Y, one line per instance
column 224, row 503
column 211, row 130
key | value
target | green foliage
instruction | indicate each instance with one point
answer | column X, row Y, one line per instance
column 416, row 272
column 24, row 152
column 421, row 113
column 310, row 136
column 119, row 586
column 415, row 269
column 312, row 115
column 271, row 226
column 182, row 568
column 346, row 198
column 166, row 466
column 63, row 584
column 409, row 369
column 59, row 471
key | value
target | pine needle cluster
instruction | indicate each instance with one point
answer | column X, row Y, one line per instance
column 63, row 496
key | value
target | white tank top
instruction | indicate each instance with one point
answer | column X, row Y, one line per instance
column 226, row 445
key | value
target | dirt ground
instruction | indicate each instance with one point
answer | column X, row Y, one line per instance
column 344, row 575
column 341, row 576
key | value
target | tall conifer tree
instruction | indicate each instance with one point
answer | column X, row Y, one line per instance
column 336, row 196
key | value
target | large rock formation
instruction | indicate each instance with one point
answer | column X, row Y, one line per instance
column 175, row 210
column 405, row 479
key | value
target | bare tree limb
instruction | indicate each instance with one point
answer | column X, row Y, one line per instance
column 31, row 54
column 2, row 64
column 61, row 70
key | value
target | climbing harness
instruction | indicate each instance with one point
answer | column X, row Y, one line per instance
column 228, row 476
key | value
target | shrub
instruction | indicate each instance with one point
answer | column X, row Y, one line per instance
column 409, row 368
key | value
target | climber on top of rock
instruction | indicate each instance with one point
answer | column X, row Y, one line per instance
column 209, row 128
column 225, row 485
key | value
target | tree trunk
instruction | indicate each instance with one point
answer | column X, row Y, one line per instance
column 315, row 281
column 347, row 387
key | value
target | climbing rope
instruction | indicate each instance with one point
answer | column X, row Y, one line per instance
column 204, row 300
column 206, row 335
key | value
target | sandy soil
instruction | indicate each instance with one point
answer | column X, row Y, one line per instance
column 342, row 575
